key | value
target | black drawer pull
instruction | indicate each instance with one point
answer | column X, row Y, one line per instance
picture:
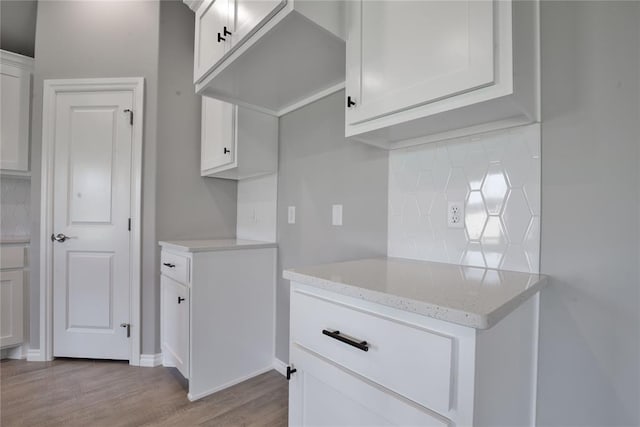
column 168, row 264
column 362, row 345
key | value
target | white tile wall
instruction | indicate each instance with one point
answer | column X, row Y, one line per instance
column 497, row 175
column 257, row 208
column 15, row 202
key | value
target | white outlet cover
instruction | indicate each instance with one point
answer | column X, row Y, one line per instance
column 291, row 215
column 336, row 215
column 455, row 214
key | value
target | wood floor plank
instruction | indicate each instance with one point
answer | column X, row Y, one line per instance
column 77, row 392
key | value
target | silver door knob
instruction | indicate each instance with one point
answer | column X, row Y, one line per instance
column 58, row 237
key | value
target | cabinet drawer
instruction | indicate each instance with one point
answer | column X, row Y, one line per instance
column 12, row 257
column 175, row 266
column 405, row 358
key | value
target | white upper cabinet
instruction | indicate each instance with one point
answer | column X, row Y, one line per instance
column 250, row 14
column 280, row 53
column 15, row 94
column 237, row 143
column 214, row 24
column 419, row 71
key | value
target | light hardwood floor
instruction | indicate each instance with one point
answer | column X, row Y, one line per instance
column 86, row 393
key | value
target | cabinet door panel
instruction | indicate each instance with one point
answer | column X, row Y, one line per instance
column 14, row 113
column 211, row 18
column 321, row 393
column 218, row 134
column 11, row 318
column 251, row 14
column 175, row 324
column 415, row 52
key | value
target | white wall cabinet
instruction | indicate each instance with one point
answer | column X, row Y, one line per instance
column 12, row 295
column 269, row 55
column 434, row 70
column 15, row 95
column 217, row 315
column 237, row 143
column 363, row 363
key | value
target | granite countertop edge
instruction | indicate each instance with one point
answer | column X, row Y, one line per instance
column 449, row 314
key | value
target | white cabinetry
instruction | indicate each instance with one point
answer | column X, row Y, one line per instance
column 12, row 295
column 273, row 55
column 237, row 143
column 217, row 318
column 435, row 69
column 363, row 363
column 15, row 94
column 175, row 324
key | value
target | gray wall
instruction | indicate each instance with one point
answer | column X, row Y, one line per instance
column 318, row 168
column 589, row 370
column 121, row 39
column 187, row 205
column 18, row 26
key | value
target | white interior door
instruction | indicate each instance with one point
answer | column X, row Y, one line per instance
column 91, row 206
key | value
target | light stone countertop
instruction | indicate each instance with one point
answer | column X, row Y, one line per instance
column 214, row 245
column 468, row 296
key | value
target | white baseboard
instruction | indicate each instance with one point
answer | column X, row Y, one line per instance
column 280, row 366
column 16, row 353
column 34, row 355
column 150, row 360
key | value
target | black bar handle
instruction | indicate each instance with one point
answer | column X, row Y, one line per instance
column 361, row 345
column 220, row 38
column 350, row 102
column 180, row 299
column 290, row 371
column 168, row 264
column 226, row 32
column 226, row 151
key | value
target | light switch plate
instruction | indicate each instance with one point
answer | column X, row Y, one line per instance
column 336, row 215
column 291, row 215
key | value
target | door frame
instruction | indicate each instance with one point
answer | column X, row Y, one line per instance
column 51, row 89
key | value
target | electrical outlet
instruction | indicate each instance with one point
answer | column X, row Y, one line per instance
column 455, row 214
column 291, row 215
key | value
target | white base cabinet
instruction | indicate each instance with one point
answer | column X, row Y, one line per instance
column 237, row 143
column 218, row 315
column 15, row 97
column 12, row 295
column 420, row 71
column 362, row 363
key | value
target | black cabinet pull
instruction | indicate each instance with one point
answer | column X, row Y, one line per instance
column 180, row 299
column 220, row 38
column 362, row 345
column 350, row 102
column 290, row 371
column 168, row 264
column 226, row 150
column 226, row 32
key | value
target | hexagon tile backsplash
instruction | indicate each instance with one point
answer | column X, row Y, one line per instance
column 496, row 175
column 15, row 202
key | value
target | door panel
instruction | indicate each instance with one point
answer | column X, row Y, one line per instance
column 211, row 18
column 91, row 199
column 11, row 303
column 415, row 52
column 175, row 324
column 218, row 134
column 14, row 118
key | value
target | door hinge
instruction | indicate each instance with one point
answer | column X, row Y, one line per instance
column 130, row 111
column 128, row 326
column 129, row 224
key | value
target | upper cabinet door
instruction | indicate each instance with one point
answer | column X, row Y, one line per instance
column 15, row 83
column 402, row 54
column 218, row 137
column 211, row 40
column 251, row 14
